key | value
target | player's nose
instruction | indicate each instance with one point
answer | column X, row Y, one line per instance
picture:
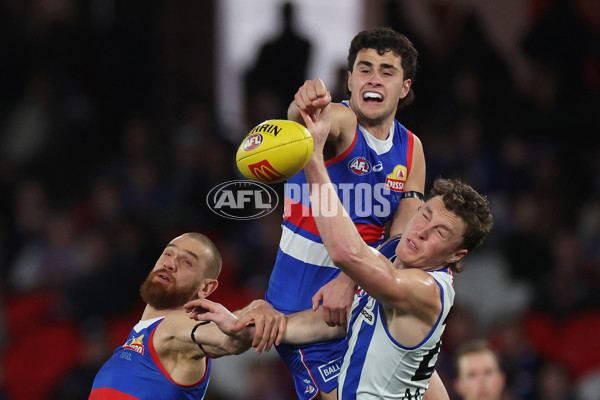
column 170, row 264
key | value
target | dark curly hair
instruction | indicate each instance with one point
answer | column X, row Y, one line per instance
column 473, row 208
column 383, row 40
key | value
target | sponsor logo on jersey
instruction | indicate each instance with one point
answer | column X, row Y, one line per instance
column 264, row 171
column 252, row 141
column 136, row 344
column 330, row 370
column 378, row 167
column 367, row 311
column 359, row 166
column 396, row 180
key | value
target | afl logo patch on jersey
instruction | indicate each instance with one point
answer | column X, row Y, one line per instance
column 359, row 166
column 253, row 142
column 396, row 180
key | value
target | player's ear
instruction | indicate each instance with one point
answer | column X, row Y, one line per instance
column 457, row 256
column 208, row 286
column 406, row 88
column 350, row 81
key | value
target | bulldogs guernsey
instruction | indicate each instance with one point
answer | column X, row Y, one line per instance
column 369, row 177
column 135, row 372
column 378, row 367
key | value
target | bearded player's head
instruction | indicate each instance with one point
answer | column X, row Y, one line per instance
column 187, row 269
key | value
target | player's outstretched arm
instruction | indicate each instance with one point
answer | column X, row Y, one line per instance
column 261, row 326
column 308, row 326
column 405, row 290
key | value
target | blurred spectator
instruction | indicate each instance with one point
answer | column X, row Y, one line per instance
column 518, row 358
column 479, row 374
column 95, row 171
column 554, row 383
column 50, row 261
column 279, row 71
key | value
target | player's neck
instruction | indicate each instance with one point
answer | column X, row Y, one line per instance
column 151, row 312
column 378, row 129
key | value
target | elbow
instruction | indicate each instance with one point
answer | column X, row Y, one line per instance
column 345, row 256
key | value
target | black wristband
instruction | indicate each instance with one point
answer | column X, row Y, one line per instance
column 193, row 333
column 412, row 195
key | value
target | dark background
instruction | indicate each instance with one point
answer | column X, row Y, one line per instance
column 110, row 141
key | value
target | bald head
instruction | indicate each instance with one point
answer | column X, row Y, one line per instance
column 211, row 258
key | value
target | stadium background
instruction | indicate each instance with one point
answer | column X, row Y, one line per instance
column 116, row 119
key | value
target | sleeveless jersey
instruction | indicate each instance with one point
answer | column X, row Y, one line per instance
column 134, row 371
column 376, row 366
column 369, row 177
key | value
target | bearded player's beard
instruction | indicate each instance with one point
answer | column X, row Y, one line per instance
column 162, row 297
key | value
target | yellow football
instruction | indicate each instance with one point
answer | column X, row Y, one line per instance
column 274, row 151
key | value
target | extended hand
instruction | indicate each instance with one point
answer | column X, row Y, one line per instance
column 269, row 324
column 206, row 310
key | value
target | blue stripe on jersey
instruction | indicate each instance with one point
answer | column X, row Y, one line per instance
column 359, row 352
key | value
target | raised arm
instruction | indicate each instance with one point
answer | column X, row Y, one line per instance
column 410, row 290
column 313, row 96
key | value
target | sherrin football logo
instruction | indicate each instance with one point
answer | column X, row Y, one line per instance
column 253, row 141
column 359, row 166
column 396, row 180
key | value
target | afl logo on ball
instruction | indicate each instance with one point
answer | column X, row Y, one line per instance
column 360, row 166
column 253, row 141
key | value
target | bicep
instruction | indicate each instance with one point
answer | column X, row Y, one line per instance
column 409, row 291
column 343, row 123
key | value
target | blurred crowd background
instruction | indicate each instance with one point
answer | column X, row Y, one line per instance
column 110, row 140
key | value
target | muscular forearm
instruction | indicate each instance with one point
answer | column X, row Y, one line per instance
column 308, row 327
column 337, row 230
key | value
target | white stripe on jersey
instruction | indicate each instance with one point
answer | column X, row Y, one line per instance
column 304, row 249
column 378, row 367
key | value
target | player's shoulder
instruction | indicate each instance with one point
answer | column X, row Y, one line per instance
column 343, row 122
